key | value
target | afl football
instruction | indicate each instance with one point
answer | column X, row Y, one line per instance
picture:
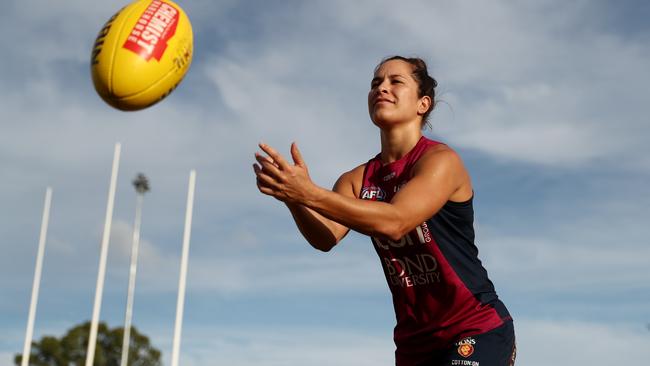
column 141, row 54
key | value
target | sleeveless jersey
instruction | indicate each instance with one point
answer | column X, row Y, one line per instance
column 441, row 291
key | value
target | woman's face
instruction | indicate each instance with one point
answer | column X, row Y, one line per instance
column 393, row 95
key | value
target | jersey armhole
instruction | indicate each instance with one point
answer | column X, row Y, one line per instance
column 461, row 203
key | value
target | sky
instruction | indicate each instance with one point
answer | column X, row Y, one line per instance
column 544, row 100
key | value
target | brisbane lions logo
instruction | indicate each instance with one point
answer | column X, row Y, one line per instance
column 466, row 347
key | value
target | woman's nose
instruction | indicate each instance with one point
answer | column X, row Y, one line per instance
column 383, row 87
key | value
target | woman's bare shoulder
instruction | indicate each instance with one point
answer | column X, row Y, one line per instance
column 442, row 160
column 440, row 153
column 356, row 172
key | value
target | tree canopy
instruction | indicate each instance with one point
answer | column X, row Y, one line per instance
column 71, row 348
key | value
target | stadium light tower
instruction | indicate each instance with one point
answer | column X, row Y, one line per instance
column 141, row 184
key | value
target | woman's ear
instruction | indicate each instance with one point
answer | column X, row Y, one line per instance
column 424, row 105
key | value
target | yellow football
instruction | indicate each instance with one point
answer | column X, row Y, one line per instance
column 141, row 54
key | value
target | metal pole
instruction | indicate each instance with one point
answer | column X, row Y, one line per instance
column 92, row 338
column 37, row 278
column 183, row 276
column 131, row 289
column 141, row 186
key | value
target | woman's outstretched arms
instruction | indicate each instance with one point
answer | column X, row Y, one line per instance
column 438, row 177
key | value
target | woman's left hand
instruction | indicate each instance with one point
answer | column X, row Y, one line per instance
column 276, row 177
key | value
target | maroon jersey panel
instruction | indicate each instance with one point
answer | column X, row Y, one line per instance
column 441, row 291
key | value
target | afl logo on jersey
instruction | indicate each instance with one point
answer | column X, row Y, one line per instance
column 373, row 194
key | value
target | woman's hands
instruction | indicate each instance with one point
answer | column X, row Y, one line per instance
column 289, row 183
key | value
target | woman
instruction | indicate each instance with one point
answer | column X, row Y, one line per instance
column 414, row 199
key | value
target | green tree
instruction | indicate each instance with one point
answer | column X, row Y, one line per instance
column 71, row 348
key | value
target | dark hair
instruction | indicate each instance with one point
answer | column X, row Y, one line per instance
column 426, row 84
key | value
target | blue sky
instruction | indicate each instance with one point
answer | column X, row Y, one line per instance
column 546, row 101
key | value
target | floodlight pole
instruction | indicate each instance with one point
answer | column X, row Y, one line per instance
column 141, row 185
column 37, row 278
column 92, row 338
column 183, row 276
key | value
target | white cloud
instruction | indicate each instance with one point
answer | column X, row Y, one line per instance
column 528, row 82
column 290, row 273
column 560, row 342
column 7, row 358
column 563, row 265
column 287, row 346
column 122, row 240
column 253, row 270
column 543, row 94
column 266, row 89
column 539, row 343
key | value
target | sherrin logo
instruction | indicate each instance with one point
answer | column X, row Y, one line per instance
column 373, row 193
column 156, row 26
column 101, row 38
